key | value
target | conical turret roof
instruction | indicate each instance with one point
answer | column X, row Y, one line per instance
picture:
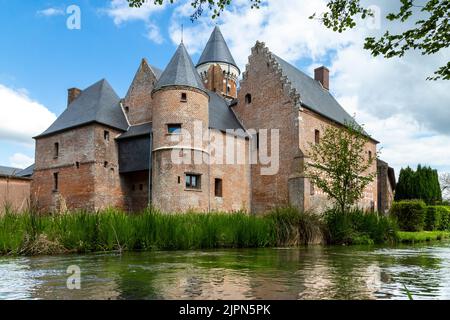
column 216, row 50
column 180, row 71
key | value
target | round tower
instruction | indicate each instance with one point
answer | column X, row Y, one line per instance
column 217, row 68
column 180, row 175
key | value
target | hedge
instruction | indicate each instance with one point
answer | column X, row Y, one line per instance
column 410, row 214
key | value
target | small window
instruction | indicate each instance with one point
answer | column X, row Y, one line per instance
column 55, row 181
column 183, row 97
column 193, row 181
column 312, row 190
column 56, row 150
column 370, row 155
column 105, row 164
column 257, row 140
column 174, row 128
column 106, row 135
column 218, row 188
column 141, row 187
column 248, row 98
column 179, row 179
column 228, row 88
column 317, row 136
column 127, row 109
column 77, row 164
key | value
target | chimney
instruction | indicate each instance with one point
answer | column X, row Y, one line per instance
column 322, row 74
column 72, row 94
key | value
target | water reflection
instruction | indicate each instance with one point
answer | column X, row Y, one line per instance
column 306, row 273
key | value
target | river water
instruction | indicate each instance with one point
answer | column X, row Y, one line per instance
column 314, row 272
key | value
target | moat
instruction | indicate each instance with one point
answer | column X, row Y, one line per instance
column 315, row 272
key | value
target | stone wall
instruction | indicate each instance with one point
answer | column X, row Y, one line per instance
column 14, row 193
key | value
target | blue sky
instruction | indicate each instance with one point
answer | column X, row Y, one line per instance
column 41, row 58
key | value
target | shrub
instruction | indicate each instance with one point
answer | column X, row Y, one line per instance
column 432, row 218
column 410, row 214
column 359, row 227
column 445, row 218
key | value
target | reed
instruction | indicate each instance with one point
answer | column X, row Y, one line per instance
column 113, row 230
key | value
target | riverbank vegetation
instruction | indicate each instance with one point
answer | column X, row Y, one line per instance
column 422, row 236
column 113, row 230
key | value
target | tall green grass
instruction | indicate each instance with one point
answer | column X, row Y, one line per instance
column 111, row 230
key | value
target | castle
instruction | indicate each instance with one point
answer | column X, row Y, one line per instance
column 194, row 137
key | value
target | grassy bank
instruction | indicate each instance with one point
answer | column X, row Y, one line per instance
column 111, row 230
column 422, row 236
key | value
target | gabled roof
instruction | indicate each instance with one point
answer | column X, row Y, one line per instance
column 98, row 103
column 9, row 171
column 313, row 95
column 221, row 117
column 27, row 172
column 180, row 71
column 136, row 131
column 216, row 50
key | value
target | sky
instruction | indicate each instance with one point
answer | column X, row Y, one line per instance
column 40, row 58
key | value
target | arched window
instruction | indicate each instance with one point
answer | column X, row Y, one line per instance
column 248, row 98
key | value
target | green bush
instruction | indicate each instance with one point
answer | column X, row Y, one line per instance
column 433, row 218
column 445, row 218
column 410, row 214
column 359, row 227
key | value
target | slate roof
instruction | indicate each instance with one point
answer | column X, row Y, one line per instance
column 221, row 117
column 9, row 171
column 98, row 103
column 136, row 131
column 313, row 95
column 180, row 71
column 27, row 172
column 216, row 50
column 158, row 72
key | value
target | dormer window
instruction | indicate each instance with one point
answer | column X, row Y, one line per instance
column 183, row 97
column 248, row 98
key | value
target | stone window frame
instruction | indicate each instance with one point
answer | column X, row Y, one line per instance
column 183, row 97
column 316, row 136
column 106, row 135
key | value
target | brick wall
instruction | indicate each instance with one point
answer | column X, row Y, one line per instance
column 14, row 192
column 139, row 96
column 271, row 107
column 169, row 192
column 87, row 167
column 275, row 105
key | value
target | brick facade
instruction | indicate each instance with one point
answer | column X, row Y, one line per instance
column 87, row 162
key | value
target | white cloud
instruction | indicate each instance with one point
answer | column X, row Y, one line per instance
column 21, row 161
column 408, row 114
column 21, row 118
column 154, row 34
column 51, row 12
column 121, row 12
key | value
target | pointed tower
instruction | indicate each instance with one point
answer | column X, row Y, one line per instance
column 217, row 68
column 180, row 118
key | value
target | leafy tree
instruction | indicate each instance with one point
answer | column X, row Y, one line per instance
column 420, row 184
column 430, row 34
column 339, row 165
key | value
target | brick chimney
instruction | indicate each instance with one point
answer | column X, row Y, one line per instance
column 72, row 94
column 322, row 74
